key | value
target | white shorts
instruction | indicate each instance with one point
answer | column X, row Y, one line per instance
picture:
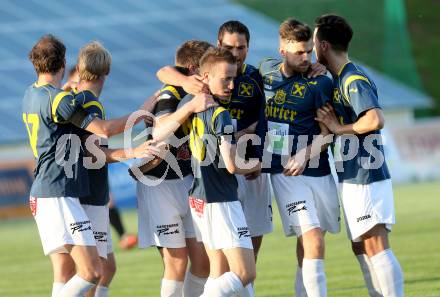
column 61, row 221
column 307, row 202
column 255, row 198
column 220, row 225
column 164, row 217
column 98, row 215
column 366, row 206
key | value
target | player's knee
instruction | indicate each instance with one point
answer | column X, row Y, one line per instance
column 247, row 276
column 108, row 271
column 91, row 275
column 176, row 259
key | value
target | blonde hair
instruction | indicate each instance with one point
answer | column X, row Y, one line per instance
column 93, row 61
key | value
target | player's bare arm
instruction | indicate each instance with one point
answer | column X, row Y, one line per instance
column 166, row 125
column 369, row 121
column 297, row 163
column 108, row 128
column 249, row 130
column 192, row 84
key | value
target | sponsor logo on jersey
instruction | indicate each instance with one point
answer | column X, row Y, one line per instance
column 243, row 232
column 298, row 90
column 167, row 229
column 246, row 90
column 296, row 206
column 80, row 226
column 363, row 218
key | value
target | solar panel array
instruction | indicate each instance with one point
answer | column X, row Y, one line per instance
column 141, row 35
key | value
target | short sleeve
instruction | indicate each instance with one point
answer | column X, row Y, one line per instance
column 222, row 124
column 167, row 101
column 95, row 108
column 185, row 100
column 64, row 106
column 323, row 91
column 361, row 95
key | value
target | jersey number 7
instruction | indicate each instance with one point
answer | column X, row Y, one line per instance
column 32, row 122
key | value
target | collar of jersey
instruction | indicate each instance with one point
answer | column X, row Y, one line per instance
column 343, row 68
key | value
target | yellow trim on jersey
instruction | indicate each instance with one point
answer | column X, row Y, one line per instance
column 243, row 70
column 342, row 68
column 217, row 111
column 97, row 104
column 351, row 79
column 172, row 90
column 55, row 104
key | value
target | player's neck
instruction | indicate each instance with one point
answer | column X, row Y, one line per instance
column 337, row 63
column 286, row 70
column 49, row 79
column 94, row 86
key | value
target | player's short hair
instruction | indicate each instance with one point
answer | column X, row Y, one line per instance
column 93, row 61
column 190, row 52
column 294, row 30
column 232, row 27
column 335, row 30
column 48, row 55
column 214, row 56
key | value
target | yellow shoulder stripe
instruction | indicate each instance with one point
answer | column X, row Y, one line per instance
column 173, row 91
column 97, row 104
column 351, row 79
column 217, row 111
column 55, row 104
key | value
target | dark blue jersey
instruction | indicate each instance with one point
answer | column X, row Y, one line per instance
column 168, row 100
column 291, row 104
column 98, row 178
column 212, row 182
column 47, row 112
column 246, row 102
column 354, row 94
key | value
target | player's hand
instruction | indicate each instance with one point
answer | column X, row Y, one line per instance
column 150, row 103
column 316, row 69
column 70, row 85
column 148, row 149
column 193, row 85
column 326, row 115
column 295, row 166
column 202, row 102
column 253, row 175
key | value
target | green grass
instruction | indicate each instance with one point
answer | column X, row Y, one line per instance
column 413, row 60
column 24, row 271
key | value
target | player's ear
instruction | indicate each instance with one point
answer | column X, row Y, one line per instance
column 205, row 77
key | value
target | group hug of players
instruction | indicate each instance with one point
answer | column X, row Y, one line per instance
column 207, row 200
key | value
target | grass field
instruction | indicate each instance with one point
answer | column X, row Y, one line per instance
column 24, row 271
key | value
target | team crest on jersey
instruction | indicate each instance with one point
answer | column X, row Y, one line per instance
column 280, row 97
column 33, row 205
column 336, row 95
column 245, row 90
column 298, row 90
